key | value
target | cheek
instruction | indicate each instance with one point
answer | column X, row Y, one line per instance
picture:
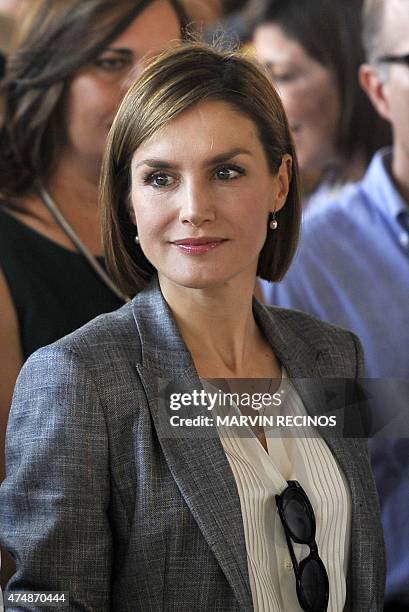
column 315, row 143
column 81, row 96
column 150, row 216
column 296, row 101
column 315, row 114
column 328, row 114
column 398, row 100
column 313, row 102
column 252, row 216
column 90, row 109
column 150, row 229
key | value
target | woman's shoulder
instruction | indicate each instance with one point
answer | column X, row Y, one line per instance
column 96, row 365
column 106, row 339
column 307, row 324
column 322, row 336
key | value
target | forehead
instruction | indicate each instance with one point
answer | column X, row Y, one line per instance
column 208, row 127
column 152, row 29
column 273, row 44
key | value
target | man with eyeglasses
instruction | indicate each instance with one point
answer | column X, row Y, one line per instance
column 352, row 269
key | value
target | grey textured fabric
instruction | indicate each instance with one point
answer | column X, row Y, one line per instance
column 100, row 503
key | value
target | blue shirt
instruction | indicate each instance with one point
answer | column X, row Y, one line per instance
column 352, row 269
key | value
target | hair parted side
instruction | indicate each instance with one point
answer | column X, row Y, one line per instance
column 57, row 38
column 175, row 81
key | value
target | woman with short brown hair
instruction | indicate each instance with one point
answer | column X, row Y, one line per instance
column 144, row 500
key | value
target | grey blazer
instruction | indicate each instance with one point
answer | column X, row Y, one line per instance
column 100, row 503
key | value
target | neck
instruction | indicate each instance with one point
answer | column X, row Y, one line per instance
column 217, row 326
column 400, row 172
column 74, row 185
column 354, row 169
column 342, row 171
column 74, row 188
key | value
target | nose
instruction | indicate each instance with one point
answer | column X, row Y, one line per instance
column 196, row 205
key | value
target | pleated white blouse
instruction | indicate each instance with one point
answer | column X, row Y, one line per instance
column 259, row 477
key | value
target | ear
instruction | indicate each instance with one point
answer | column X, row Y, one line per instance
column 375, row 87
column 282, row 182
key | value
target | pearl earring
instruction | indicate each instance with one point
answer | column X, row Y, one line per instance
column 136, row 239
column 273, row 222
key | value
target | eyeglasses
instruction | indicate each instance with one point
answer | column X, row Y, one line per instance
column 394, row 59
column 298, row 519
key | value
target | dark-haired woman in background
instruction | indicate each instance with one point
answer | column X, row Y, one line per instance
column 312, row 50
column 63, row 86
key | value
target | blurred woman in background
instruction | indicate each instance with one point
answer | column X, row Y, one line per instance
column 312, row 51
column 63, row 86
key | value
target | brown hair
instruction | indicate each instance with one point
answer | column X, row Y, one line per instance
column 174, row 82
column 57, row 39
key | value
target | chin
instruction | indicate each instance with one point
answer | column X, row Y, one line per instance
column 199, row 283
column 204, row 281
column 204, row 275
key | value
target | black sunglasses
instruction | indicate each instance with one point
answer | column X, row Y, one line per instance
column 394, row 59
column 298, row 519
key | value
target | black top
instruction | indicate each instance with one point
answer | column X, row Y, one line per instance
column 54, row 290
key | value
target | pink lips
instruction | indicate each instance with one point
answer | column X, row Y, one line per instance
column 197, row 246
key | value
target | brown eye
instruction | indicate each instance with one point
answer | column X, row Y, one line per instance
column 228, row 173
column 112, row 64
column 159, row 179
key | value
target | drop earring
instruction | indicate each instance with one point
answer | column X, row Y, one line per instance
column 273, row 222
column 136, row 239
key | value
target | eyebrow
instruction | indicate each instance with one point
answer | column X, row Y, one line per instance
column 217, row 159
column 278, row 63
column 120, row 51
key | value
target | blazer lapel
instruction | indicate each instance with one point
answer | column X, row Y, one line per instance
column 313, row 372
column 195, row 456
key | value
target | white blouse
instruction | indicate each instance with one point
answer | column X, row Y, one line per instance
column 260, row 476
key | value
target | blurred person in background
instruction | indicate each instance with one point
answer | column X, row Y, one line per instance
column 352, row 269
column 63, row 86
column 312, row 50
